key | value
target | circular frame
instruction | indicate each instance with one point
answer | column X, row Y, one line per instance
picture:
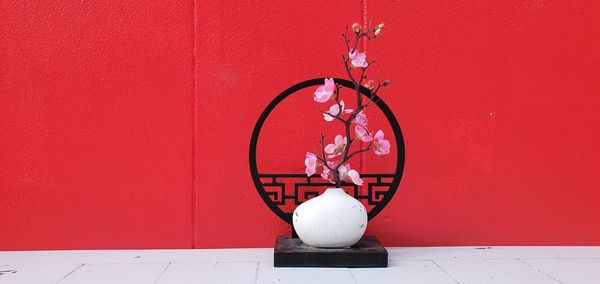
column 287, row 217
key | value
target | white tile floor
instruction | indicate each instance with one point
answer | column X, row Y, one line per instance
column 509, row 265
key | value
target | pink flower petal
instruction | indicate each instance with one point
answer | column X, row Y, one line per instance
column 330, row 148
column 339, row 140
column 379, row 134
column 343, row 171
column 358, row 59
column 381, row 146
column 329, row 85
column 362, row 134
column 385, row 146
column 361, row 119
column 323, row 93
column 311, row 163
column 352, row 54
column 355, row 177
column 326, row 175
column 334, row 110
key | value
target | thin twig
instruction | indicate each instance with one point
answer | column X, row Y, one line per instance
column 360, row 151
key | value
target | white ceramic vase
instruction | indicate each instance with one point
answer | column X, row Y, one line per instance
column 333, row 219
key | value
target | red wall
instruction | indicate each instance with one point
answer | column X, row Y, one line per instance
column 126, row 125
column 96, row 122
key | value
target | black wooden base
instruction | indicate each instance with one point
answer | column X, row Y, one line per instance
column 292, row 252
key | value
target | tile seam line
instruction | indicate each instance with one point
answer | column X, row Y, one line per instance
column 68, row 274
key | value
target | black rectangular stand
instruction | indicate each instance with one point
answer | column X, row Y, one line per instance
column 292, row 252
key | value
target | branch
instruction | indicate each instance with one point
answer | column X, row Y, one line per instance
column 337, row 117
column 359, row 106
column 337, row 101
column 373, row 93
column 348, row 70
column 336, row 174
column 346, row 40
column 360, row 151
column 358, row 36
column 323, row 151
column 334, row 117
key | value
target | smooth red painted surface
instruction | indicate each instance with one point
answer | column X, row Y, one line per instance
column 96, row 123
column 499, row 102
column 119, row 131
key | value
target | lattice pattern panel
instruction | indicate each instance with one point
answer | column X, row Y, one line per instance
column 288, row 191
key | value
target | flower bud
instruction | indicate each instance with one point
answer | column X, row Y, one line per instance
column 356, row 28
column 386, row 83
column 378, row 29
column 370, row 84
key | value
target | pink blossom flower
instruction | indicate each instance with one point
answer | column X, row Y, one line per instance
column 343, row 171
column 355, row 177
column 323, row 93
column 326, row 174
column 359, row 59
column 334, row 111
column 381, row 146
column 362, row 134
column 338, row 147
column 347, row 172
column 361, row 119
column 311, row 163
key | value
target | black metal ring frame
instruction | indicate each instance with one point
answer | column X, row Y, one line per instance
column 397, row 176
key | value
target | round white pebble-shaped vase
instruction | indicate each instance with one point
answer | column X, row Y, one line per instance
column 333, row 219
